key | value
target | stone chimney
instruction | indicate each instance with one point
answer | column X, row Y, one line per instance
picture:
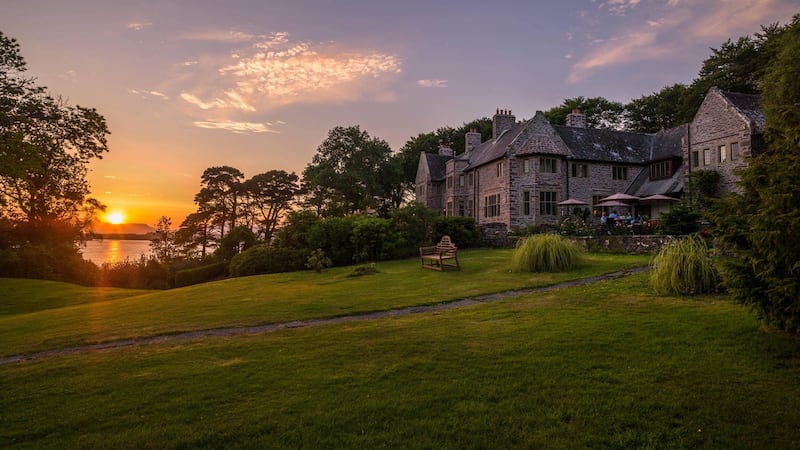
column 576, row 119
column 502, row 121
column 445, row 150
column 472, row 139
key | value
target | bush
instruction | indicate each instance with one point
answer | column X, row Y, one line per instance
column 318, row 261
column 57, row 262
column 187, row 277
column 262, row 258
column 684, row 267
column 546, row 253
column 334, row 236
column 462, row 231
column 372, row 239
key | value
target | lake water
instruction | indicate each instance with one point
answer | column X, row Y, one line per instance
column 102, row 251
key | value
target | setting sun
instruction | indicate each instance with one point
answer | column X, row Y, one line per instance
column 115, row 217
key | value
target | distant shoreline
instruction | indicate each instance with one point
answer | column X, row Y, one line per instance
column 123, row 236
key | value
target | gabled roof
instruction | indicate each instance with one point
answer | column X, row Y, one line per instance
column 749, row 106
column 669, row 143
column 437, row 165
column 493, row 149
column 598, row 144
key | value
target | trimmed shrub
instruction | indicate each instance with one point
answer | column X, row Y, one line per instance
column 262, row 258
column 546, row 253
column 684, row 267
column 462, row 231
column 187, row 277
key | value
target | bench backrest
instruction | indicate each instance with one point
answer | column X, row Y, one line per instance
column 445, row 245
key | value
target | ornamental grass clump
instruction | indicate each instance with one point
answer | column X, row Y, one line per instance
column 684, row 267
column 546, row 253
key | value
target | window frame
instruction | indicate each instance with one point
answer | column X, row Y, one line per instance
column 548, row 206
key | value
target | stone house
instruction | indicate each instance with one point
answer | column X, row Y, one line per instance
column 519, row 176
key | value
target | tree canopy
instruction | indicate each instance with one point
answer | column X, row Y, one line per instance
column 600, row 112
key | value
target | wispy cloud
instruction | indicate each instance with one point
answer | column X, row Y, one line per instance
column 274, row 71
column 237, row 127
column 432, row 83
column 219, row 36
column 148, row 94
column 139, row 26
column 679, row 25
column 619, row 7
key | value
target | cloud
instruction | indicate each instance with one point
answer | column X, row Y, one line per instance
column 237, row 127
column 274, row 71
column 139, row 26
column 619, row 7
column 432, row 83
column 680, row 26
column 219, row 36
column 148, row 94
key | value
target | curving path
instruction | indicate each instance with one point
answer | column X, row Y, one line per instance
column 259, row 329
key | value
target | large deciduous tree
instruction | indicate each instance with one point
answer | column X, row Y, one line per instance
column 351, row 172
column 657, row 111
column 762, row 224
column 45, row 148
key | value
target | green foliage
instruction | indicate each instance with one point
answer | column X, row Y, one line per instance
column 657, row 111
column 143, row 273
column 295, row 231
column 367, row 269
column 239, row 239
column 372, row 239
column 546, row 253
column 600, row 112
column 352, row 172
column 318, row 261
column 413, row 227
column 334, row 235
column 268, row 197
column 263, row 258
column 463, row 231
column 58, row 262
column 702, row 189
column 574, row 225
column 681, row 219
column 202, row 274
column 684, row 267
column 761, row 226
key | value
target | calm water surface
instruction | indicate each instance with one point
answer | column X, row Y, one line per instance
column 114, row 250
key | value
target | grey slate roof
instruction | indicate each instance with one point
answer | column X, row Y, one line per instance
column 668, row 143
column 492, row 150
column 596, row 144
column 437, row 164
column 749, row 105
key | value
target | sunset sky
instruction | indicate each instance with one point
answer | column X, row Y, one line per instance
column 257, row 85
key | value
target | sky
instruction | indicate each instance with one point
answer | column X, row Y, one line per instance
column 258, row 84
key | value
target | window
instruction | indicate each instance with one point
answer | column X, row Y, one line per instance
column 420, row 191
column 734, row 151
column 449, row 182
column 471, row 178
column 595, row 201
column 619, row 173
column 461, row 210
column 526, row 203
column 491, row 206
column 470, row 205
column 437, row 188
column 547, row 203
column 580, row 170
column 722, row 154
column 706, row 156
column 449, row 209
column 499, row 167
column 662, row 169
column 695, row 159
column 548, row 165
column 461, row 180
column 526, row 165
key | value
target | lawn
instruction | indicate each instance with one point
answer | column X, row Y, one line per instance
column 260, row 299
column 606, row 365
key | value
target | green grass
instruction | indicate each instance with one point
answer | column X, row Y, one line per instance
column 22, row 296
column 606, row 365
column 275, row 298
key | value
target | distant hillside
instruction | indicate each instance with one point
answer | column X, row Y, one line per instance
column 126, row 229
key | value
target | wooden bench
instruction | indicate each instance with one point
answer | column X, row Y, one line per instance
column 438, row 255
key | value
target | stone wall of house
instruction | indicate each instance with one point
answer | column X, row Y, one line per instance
column 600, row 181
column 488, row 183
column 457, row 193
column 718, row 124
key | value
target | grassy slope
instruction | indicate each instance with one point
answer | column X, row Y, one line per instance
column 277, row 298
column 608, row 365
column 22, row 296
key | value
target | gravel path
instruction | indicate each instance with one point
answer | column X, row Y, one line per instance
column 259, row 329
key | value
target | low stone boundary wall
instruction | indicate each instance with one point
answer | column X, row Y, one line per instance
column 636, row 244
